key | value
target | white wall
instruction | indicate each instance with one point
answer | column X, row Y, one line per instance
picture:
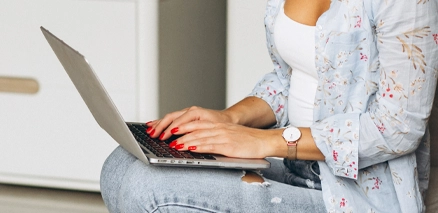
column 247, row 56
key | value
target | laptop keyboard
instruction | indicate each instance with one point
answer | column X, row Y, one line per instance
column 161, row 148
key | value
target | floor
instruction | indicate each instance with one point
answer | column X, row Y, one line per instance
column 20, row 199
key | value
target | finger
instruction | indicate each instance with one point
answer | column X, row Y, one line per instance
column 192, row 144
column 216, row 145
column 151, row 123
column 204, row 134
column 194, row 126
column 157, row 127
column 209, row 148
column 212, row 145
column 192, row 114
column 196, row 130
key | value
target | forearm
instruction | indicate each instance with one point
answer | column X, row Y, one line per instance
column 255, row 112
column 251, row 112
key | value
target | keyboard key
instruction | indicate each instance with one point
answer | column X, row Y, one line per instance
column 161, row 148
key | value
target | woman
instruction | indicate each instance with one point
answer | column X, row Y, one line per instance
column 355, row 77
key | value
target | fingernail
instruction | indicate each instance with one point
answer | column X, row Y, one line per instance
column 149, row 129
column 192, row 148
column 174, row 130
column 153, row 131
column 179, row 146
column 172, row 145
column 147, row 123
column 161, row 136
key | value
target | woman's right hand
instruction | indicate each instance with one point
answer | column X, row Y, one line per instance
column 168, row 125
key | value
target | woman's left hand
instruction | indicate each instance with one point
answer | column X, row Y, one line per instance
column 229, row 139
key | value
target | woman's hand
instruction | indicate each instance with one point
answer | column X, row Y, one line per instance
column 251, row 111
column 229, row 139
column 169, row 124
column 223, row 131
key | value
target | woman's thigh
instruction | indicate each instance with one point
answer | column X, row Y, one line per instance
column 129, row 185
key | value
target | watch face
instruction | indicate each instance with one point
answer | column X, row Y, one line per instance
column 291, row 134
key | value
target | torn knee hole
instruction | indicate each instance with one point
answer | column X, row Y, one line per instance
column 251, row 177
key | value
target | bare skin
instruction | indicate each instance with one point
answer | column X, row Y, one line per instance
column 238, row 131
column 306, row 12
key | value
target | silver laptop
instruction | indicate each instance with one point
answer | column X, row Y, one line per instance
column 130, row 135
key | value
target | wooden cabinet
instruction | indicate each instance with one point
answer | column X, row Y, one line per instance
column 49, row 138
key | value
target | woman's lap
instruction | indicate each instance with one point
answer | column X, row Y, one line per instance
column 129, row 185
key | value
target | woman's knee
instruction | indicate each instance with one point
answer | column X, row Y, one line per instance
column 115, row 165
column 112, row 174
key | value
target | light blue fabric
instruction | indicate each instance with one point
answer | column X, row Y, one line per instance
column 128, row 185
column 377, row 62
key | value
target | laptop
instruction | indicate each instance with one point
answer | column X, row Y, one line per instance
column 132, row 135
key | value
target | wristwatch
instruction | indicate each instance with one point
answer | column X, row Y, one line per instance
column 291, row 135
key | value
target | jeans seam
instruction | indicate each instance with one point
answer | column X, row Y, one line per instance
column 182, row 205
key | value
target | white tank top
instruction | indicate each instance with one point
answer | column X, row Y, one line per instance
column 295, row 44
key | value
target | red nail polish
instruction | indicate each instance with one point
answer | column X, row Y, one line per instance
column 153, row 131
column 192, row 148
column 172, row 145
column 174, row 130
column 147, row 123
column 149, row 129
column 161, row 136
column 179, row 146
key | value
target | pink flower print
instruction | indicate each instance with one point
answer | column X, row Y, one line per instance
column 271, row 92
column 358, row 22
column 333, row 85
column 388, row 90
column 280, row 107
column 335, row 155
column 435, row 37
column 363, row 57
column 377, row 183
column 381, row 128
column 343, row 202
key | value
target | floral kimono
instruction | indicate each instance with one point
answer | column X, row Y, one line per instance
column 377, row 63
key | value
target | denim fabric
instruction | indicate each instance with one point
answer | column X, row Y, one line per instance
column 129, row 185
column 300, row 173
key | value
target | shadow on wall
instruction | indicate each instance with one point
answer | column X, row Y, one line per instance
column 192, row 37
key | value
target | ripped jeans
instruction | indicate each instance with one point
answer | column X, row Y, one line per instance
column 129, row 185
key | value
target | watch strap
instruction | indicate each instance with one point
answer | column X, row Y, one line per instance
column 291, row 152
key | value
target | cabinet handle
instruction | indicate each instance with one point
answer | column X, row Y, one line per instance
column 19, row 85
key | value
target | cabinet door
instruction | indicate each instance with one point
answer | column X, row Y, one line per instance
column 49, row 138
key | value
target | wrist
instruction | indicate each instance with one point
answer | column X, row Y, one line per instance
column 251, row 112
column 277, row 143
column 231, row 116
